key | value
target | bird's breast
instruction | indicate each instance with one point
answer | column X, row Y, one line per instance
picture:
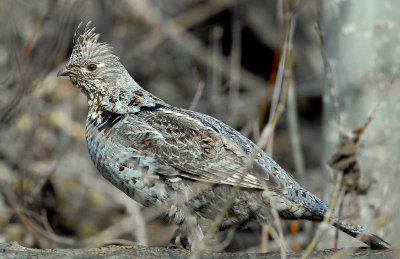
column 125, row 167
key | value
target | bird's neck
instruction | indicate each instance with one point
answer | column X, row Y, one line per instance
column 125, row 100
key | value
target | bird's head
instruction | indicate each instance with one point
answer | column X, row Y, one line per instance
column 92, row 67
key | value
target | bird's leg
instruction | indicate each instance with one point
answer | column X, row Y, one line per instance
column 185, row 243
column 172, row 241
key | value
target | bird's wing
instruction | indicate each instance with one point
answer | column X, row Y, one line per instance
column 199, row 151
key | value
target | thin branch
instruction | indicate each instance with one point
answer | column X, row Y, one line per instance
column 375, row 108
column 278, row 104
column 199, row 91
column 235, row 67
column 327, row 66
column 215, row 77
column 292, row 114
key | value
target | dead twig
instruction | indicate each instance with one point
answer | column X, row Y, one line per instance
column 323, row 226
column 327, row 66
column 234, row 84
column 199, row 91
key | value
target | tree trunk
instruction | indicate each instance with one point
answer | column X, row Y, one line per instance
column 362, row 39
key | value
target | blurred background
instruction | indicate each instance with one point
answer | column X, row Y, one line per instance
column 249, row 63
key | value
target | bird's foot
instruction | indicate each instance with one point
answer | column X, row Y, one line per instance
column 172, row 244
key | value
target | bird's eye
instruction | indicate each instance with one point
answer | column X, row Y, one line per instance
column 91, row 67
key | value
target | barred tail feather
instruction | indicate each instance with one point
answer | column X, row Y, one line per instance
column 372, row 240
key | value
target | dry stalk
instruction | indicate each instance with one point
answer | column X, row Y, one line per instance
column 199, row 91
column 327, row 66
column 323, row 226
column 292, row 114
column 376, row 106
column 214, row 83
column 235, row 68
column 279, row 98
column 271, row 80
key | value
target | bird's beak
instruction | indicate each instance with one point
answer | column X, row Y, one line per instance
column 64, row 72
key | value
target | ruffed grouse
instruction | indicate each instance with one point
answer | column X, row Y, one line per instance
column 183, row 162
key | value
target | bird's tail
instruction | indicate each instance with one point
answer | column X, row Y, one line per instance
column 362, row 234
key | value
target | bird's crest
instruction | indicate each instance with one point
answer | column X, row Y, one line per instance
column 86, row 45
column 83, row 35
